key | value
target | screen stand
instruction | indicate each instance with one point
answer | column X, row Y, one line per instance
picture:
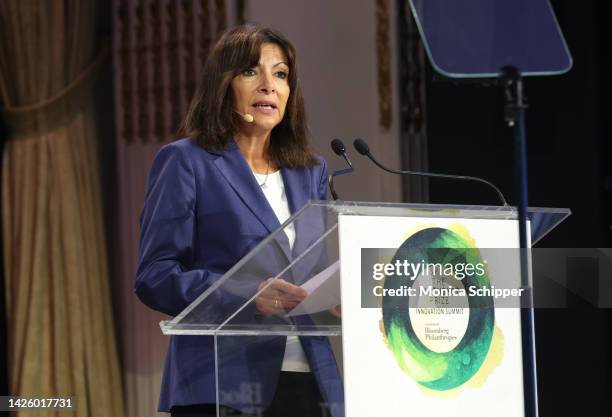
column 514, row 116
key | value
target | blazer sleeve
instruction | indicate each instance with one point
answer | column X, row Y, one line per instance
column 165, row 280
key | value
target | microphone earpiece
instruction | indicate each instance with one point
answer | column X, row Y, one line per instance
column 246, row 117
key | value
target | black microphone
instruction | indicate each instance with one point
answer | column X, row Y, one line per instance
column 339, row 149
column 362, row 147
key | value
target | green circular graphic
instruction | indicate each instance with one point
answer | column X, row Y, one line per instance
column 439, row 371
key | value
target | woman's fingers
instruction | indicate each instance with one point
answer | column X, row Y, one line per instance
column 265, row 307
column 269, row 306
column 289, row 290
column 279, row 296
column 280, row 288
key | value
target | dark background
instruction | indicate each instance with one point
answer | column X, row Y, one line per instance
column 570, row 165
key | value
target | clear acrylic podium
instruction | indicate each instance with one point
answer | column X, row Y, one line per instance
column 229, row 311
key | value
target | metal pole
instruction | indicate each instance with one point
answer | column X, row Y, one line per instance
column 515, row 118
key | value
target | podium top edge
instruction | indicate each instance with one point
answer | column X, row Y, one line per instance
column 340, row 206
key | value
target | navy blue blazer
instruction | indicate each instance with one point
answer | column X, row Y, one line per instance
column 203, row 212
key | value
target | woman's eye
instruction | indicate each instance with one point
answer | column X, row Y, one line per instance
column 282, row 75
column 248, row 72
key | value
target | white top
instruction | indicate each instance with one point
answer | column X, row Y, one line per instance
column 274, row 190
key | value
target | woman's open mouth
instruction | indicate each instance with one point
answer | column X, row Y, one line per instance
column 265, row 107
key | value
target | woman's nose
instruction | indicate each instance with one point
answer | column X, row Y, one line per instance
column 267, row 84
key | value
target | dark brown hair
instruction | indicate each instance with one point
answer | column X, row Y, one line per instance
column 211, row 120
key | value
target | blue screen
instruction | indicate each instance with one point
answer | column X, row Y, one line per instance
column 476, row 38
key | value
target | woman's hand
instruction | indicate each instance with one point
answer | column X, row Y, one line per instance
column 279, row 297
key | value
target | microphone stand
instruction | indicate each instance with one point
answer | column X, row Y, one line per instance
column 362, row 147
column 514, row 115
column 330, row 180
column 340, row 150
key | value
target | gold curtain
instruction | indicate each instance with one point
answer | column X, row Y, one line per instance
column 60, row 328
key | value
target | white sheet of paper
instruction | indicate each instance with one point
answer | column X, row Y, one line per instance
column 323, row 292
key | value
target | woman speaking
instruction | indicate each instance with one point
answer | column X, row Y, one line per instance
column 245, row 167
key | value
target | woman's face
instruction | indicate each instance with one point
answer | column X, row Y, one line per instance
column 262, row 91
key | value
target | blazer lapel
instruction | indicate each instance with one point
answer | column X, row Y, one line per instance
column 238, row 174
column 297, row 186
column 297, row 189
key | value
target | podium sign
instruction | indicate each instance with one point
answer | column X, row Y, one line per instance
column 443, row 359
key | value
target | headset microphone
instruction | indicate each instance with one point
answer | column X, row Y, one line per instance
column 246, row 117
